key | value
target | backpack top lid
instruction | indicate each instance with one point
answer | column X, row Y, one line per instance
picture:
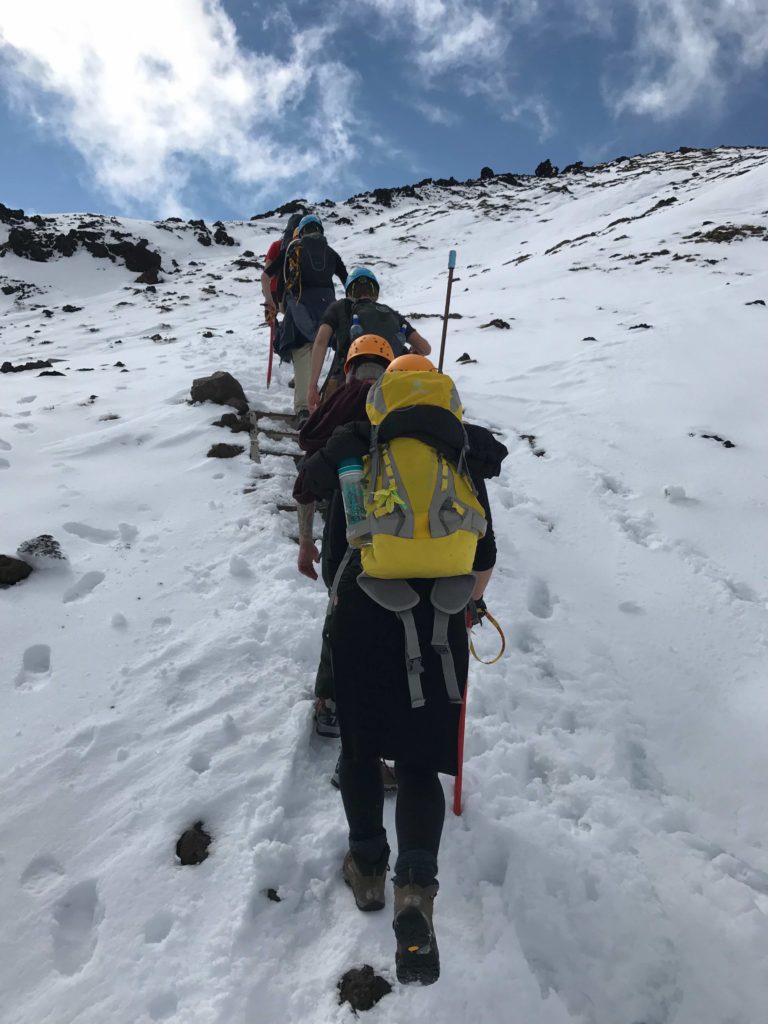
column 290, row 228
column 393, row 392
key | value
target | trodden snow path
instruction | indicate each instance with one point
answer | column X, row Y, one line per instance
column 610, row 866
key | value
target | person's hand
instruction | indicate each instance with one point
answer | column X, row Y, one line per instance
column 308, row 554
column 476, row 612
column 313, row 397
column 270, row 312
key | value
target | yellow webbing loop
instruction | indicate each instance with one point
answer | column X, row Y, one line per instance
column 500, row 631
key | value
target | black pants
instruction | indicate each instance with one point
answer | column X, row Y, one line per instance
column 419, row 816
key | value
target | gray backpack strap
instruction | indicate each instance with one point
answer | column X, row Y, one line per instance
column 448, row 596
column 337, row 578
column 398, row 596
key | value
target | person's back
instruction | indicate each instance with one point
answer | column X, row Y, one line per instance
column 308, row 268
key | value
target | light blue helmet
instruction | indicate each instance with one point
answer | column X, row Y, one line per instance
column 361, row 272
column 306, row 221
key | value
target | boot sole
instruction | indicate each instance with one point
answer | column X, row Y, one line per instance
column 329, row 731
column 417, row 958
column 365, row 907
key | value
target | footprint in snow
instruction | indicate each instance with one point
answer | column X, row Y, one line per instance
column 158, row 927
column 84, row 586
column 35, row 666
column 5, row 446
column 91, row 533
column 76, row 917
column 538, row 599
column 4, row 464
column 41, row 873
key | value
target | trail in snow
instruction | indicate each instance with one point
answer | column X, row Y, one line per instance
column 610, row 864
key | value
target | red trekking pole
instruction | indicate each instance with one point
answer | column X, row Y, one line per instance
column 272, row 330
column 490, row 661
column 457, row 782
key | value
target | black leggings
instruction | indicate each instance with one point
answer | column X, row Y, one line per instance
column 419, row 816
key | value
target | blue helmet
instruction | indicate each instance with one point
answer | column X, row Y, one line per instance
column 306, row 221
column 357, row 274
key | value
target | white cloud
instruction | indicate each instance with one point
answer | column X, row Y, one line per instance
column 434, row 112
column 686, row 53
column 150, row 91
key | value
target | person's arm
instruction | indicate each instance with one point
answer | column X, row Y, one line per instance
column 340, row 270
column 418, row 344
column 266, row 290
column 319, row 349
column 482, row 578
column 308, row 553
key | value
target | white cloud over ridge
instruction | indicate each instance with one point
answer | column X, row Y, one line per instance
column 150, row 91
column 156, row 92
column 686, row 52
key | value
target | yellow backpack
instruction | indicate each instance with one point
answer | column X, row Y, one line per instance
column 423, row 519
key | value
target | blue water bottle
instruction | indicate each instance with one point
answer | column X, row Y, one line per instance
column 351, row 483
column 400, row 341
column 356, row 330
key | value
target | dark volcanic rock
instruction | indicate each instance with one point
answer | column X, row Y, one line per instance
column 225, row 451
column 138, row 257
column 486, row 173
column 149, row 277
column 39, row 246
column 36, row 364
column 221, row 237
column 383, row 196
column 361, row 988
column 575, row 168
column 7, row 215
column 42, row 552
column 12, row 570
column 192, row 846
column 546, row 170
column 71, row 309
column 236, row 423
column 222, row 388
column 498, row 322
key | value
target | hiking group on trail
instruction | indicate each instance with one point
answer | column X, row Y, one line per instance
column 407, row 552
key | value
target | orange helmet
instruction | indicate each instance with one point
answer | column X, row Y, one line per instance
column 369, row 345
column 411, row 361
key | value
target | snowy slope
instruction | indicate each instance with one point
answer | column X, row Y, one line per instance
column 611, row 864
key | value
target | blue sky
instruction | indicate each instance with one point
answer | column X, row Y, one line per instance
column 224, row 108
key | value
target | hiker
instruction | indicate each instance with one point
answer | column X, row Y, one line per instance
column 269, row 284
column 358, row 312
column 306, row 267
column 405, row 708
column 272, row 276
column 367, row 359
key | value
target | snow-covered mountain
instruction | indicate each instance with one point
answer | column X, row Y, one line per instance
column 611, row 864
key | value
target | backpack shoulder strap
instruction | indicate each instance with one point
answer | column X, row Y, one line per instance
column 449, row 595
column 398, row 596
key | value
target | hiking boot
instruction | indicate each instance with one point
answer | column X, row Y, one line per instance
column 366, row 881
column 417, row 957
column 326, row 722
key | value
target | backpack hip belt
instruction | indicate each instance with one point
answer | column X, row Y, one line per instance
column 448, row 595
